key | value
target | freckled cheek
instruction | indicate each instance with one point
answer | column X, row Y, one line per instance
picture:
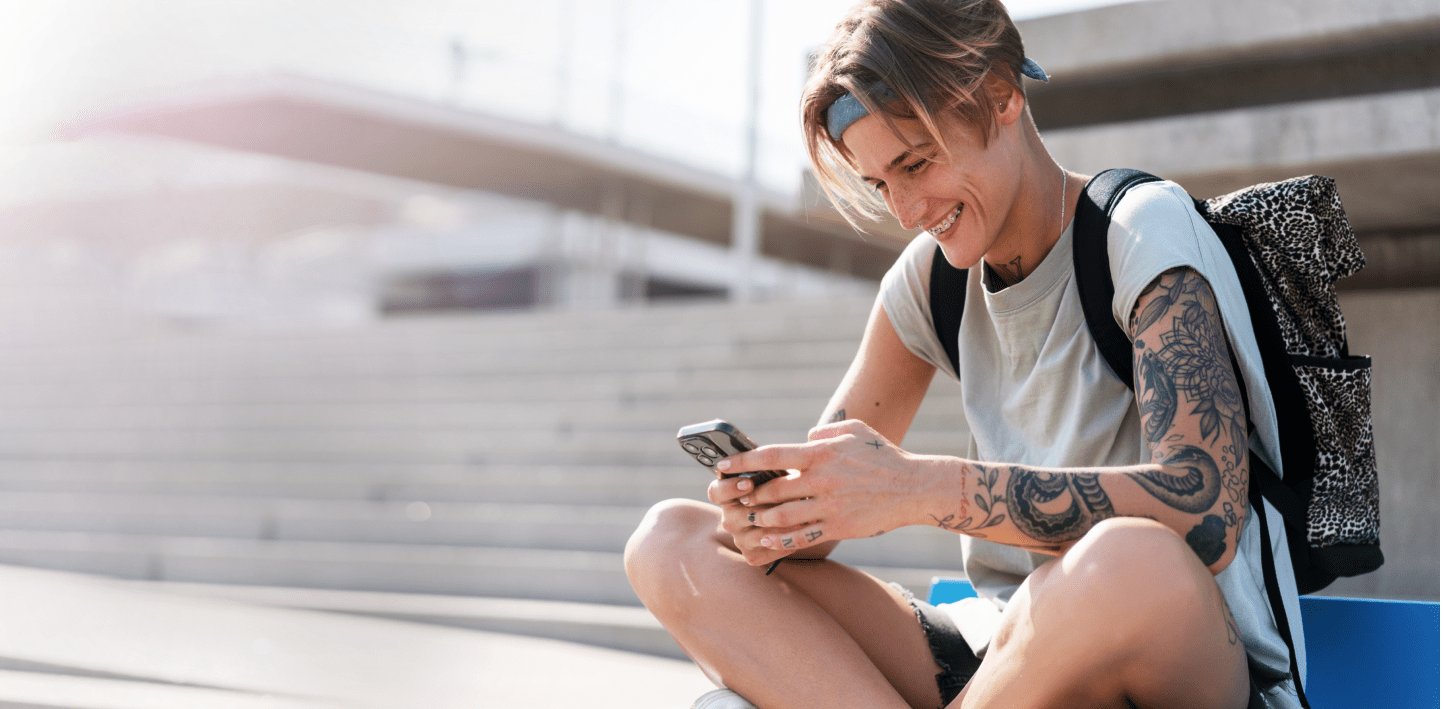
column 898, row 200
column 892, row 205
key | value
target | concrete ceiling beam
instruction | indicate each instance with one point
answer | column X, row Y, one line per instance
column 1183, row 33
column 1383, row 150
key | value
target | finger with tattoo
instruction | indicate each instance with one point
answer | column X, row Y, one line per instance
column 797, row 539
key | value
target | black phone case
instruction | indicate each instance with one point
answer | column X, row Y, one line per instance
column 711, row 441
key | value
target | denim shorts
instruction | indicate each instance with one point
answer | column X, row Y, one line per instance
column 955, row 659
column 958, row 663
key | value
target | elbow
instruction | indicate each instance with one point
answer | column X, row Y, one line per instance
column 1222, row 563
column 1214, row 541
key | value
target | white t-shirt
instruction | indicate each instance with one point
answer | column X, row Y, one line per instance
column 1036, row 391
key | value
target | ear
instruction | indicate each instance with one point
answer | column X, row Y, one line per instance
column 1010, row 106
column 1008, row 101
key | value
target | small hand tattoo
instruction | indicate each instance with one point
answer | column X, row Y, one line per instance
column 788, row 543
column 876, row 444
column 813, row 536
column 839, row 415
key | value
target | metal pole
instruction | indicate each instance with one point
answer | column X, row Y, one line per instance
column 746, row 215
column 565, row 23
column 614, row 117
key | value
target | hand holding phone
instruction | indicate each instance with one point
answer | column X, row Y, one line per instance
column 714, row 440
column 711, row 441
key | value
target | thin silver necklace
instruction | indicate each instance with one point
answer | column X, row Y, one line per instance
column 1063, row 203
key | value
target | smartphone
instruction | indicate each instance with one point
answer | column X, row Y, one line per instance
column 714, row 440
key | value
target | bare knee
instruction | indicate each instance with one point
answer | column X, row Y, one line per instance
column 1135, row 575
column 1144, row 613
column 672, row 532
column 1164, row 616
column 1131, row 554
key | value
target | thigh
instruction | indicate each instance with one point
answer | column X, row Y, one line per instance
column 879, row 618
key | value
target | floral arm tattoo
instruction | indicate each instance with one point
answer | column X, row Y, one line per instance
column 1186, row 378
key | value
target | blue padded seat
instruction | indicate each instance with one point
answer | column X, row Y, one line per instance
column 1361, row 652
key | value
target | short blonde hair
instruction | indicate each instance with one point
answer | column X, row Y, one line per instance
column 907, row 59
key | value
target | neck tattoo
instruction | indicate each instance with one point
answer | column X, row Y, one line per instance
column 1012, row 272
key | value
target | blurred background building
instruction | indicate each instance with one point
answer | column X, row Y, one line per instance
column 395, row 311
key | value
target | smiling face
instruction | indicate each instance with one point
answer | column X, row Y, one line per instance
column 964, row 196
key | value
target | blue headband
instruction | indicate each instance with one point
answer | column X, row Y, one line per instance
column 846, row 110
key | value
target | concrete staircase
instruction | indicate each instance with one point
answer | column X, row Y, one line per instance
column 495, row 463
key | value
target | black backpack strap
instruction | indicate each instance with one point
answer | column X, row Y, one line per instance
column 1271, row 576
column 1296, row 434
column 1090, row 264
column 947, row 290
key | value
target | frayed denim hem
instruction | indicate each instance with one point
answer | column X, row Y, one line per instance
column 955, row 659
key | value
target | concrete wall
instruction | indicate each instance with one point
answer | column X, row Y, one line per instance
column 1400, row 330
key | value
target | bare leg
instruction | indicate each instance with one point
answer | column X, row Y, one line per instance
column 1128, row 614
column 813, row 634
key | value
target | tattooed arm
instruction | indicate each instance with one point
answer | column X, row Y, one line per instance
column 1193, row 422
column 855, row 482
column 1192, row 411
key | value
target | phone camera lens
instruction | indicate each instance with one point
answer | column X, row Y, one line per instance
column 689, row 448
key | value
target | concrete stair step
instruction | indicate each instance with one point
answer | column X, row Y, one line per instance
column 380, row 348
column 398, row 416
column 587, row 576
column 603, row 528
column 518, row 526
column 555, row 420
column 425, row 336
column 546, row 574
column 630, row 628
column 52, row 690
column 457, row 445
column 511, row 359
column 362, row 480
column 150, row 646
column 425, row 387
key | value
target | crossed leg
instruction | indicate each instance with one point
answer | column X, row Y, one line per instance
column 813, row 634
column 1128, row 617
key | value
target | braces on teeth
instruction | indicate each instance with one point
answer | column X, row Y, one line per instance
column 939, row 229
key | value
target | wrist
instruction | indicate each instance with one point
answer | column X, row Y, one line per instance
column 943, row 483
